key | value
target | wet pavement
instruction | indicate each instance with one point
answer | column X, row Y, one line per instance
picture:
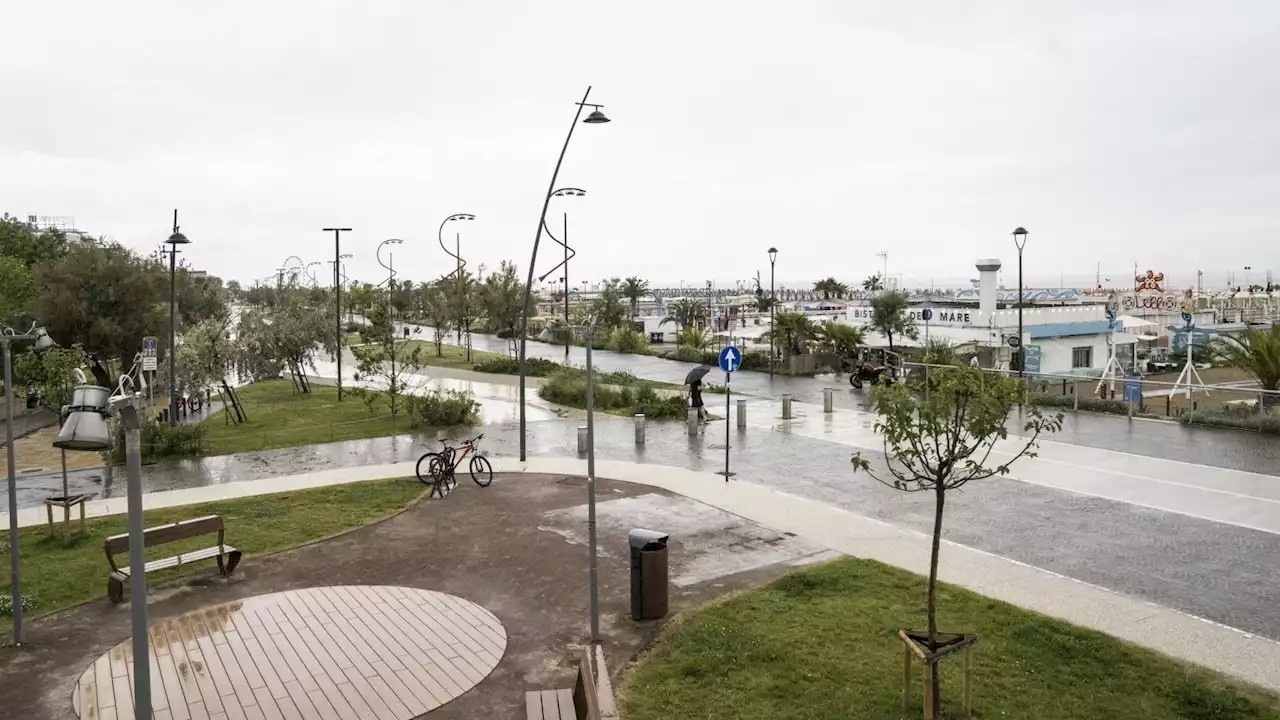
column 1215, row 570
column 1217, row 447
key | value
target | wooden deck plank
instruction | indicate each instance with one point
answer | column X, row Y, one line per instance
column 324, row 653
column 565, row 698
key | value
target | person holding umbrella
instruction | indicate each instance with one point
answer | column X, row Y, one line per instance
column 694, row 381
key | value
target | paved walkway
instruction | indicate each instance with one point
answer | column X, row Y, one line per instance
column 1216, row 447
column 1243, row 655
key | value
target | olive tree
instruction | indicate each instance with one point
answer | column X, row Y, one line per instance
column 942, row 439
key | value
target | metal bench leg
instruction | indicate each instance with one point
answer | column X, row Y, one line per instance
column 232, row 560
column 115, row 590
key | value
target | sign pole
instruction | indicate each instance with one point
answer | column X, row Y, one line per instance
column 730, row 359
column 727, row 474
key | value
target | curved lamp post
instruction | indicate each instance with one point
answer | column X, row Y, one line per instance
column 457, row 254
column 773, row 300
column 595, row 117
column 311, row 274
column 1020, row 239
column 42, row 342
column 176, row 239
column 568, row 253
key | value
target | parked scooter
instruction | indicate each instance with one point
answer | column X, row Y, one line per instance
column 868, row 373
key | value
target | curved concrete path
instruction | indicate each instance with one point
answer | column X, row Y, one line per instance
column 1248, row 657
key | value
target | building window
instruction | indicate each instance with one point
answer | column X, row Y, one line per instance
column 1081, row 357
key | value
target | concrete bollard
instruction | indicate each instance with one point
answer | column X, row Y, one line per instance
column 786, row 406
column 827, row 400
column 693, row 421
column 639, row 418
column 742, row 414
column 582, row 439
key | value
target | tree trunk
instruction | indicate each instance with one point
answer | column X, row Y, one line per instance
column 941, row 495
column 101, row 375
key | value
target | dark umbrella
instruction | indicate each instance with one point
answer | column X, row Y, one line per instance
column 696, row 374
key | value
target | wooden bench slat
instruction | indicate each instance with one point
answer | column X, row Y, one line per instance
column 183, row 559
column 565, row 699
column 550, row 705
column 181, row 530
column 533, row 705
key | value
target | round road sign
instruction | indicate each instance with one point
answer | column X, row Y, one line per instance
column 1014, row 341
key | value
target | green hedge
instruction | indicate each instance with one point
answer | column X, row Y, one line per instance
column 1092, row 404
column 444, row 409
column 160, row 439
column 534, row 367
column 567, row 387
column 1269, row 423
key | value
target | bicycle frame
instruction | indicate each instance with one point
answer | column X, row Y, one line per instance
column 466, row 447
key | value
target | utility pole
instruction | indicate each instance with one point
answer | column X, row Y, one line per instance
column 337, row 299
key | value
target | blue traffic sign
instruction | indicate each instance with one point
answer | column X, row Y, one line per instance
column 730, row 359
column 926, row 314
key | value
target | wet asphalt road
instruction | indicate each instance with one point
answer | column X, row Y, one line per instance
column 1218, row 447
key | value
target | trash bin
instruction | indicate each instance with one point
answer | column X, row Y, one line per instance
column 648, row 574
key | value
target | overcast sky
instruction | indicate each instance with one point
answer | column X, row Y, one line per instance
column 1115, row 131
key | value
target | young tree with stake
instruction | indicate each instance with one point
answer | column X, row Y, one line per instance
column 939, row 440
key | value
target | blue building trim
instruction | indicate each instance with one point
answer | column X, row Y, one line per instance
column 1067, row 329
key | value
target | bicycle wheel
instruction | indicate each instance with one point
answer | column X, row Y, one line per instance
column 430, row 463
column 481, row 470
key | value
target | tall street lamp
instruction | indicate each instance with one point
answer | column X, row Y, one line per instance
column 595, row 117
column 773, row 300
column 42, row 342
column 1020, row 239
column 337, row 298
column 176, row 239
column 459, row 263
column 568, row 253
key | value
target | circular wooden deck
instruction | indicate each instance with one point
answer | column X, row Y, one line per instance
column 357, row 651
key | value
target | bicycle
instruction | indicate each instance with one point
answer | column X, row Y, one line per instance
column 441, row 467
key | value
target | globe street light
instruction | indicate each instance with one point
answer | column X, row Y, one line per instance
column 596, row 117
column 773, row 300
column 176, row 239
column 1020, row 239
column 568, row 253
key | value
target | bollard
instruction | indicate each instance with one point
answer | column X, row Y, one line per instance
column 693, row 421
column 582, row 439
column 786, row 406
column 826, row 400
column 742, row 414
column 1075, row 401
column 639, row 428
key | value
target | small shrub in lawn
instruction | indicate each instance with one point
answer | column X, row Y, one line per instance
column 352, row 327
column 1113, row 407
column 160, row 440
column 627, row 341
column 6, row 602
column 617, row 377
column 534, row 367
column 444, row 409
column 670, row 407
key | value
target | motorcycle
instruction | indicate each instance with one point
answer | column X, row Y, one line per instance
column 868, row 373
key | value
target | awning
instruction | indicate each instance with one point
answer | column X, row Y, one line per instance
column 1132, row 321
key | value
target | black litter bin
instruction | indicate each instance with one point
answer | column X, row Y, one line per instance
column 648, row 574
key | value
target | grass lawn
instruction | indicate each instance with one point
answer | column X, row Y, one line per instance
column 281, row 417
column 822, row 643
column 59, row 576
column 451, row 356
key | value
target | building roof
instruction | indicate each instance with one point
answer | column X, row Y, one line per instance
column 1067, row 329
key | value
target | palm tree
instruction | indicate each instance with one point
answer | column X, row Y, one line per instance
column 694, row 337
column 684, row 312
column 839, row 339
column 890, row 316
column 633, row 289
column 830, row 287
column 873, row 284
column 792, row 332
column 1257, row 352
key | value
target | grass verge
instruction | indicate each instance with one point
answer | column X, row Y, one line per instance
column 822, row 643
column 281, row 417
column 58, row 576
